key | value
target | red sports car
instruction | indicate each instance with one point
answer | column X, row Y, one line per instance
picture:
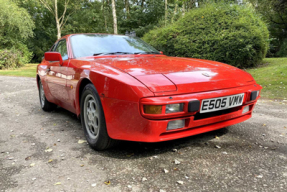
column 124, row 89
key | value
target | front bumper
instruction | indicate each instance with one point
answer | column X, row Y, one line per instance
column 126, row 121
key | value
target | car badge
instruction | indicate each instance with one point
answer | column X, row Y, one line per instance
column 206, row 74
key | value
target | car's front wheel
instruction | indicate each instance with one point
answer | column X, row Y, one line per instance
column 45, row 104
column 93, row 119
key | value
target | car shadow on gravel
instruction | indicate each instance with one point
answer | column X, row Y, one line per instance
column 63, row 112
column 134, row 150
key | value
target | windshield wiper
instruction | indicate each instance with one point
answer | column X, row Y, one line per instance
column 112, row 53
column 124, row 53
column 142, row 53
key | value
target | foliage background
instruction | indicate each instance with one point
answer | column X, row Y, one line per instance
column 16, row 27
column 274, row 12
column 95, row 16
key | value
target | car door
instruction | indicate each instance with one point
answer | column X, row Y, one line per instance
column 56, row 78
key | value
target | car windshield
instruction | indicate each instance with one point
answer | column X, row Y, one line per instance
column 84, row 45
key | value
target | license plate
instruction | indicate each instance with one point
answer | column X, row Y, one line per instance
column 221, row 103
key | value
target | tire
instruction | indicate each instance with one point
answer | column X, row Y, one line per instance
column 93, row 120
column 44, row 103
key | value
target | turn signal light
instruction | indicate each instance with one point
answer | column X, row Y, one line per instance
column 153, row 109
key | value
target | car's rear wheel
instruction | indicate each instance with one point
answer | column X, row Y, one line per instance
column 93, row 119
column 45, row 104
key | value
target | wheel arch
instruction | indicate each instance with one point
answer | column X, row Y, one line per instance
column 80, row 88
column 38, row 79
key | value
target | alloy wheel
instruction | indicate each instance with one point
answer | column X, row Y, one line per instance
column 91, row 116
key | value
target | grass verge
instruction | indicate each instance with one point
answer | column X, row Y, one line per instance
column 29, row 70
column 272, row 76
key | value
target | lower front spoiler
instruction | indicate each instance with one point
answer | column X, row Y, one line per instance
column 158, row 133
column 202, row 129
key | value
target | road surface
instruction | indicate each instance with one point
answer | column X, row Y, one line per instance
column 42, row 151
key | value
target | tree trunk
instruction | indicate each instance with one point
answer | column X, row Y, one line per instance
column 183, row 8
column 59, row 35
column 57, row 20
column 175, row 10
column 127, row 6
column 165, row 17
column 115, row 17
column 104, row 15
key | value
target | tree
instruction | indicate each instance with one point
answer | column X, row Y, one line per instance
column 16, row 24
column 16, row 27
column 45, row 32
column 115, row 17
column 52, row 7
column 92, row 18
column 274, row 13
column 141, row 17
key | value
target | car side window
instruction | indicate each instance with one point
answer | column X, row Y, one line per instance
column 62, row 49
column 53, row 47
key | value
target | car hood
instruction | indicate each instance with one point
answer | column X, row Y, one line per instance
column 166, row 74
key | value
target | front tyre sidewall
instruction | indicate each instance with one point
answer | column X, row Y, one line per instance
column 102, row 140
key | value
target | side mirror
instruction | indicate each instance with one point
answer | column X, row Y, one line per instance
column 53, row 56
column 161, row 52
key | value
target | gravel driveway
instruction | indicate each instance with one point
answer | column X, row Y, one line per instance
column 42, row 151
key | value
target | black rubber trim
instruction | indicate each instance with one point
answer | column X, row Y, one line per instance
column 253, row 95
column 193, row 106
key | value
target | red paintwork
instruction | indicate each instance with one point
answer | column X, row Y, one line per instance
column 53, row 56
column 126, row 82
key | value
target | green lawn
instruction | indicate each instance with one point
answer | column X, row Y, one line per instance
column 272, row 76
column 29, row 70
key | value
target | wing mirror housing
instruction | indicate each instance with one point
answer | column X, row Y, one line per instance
column 53, row 56
column 161, row 52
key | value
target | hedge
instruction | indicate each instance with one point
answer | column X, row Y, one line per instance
column 14, row 58
column 231, row 34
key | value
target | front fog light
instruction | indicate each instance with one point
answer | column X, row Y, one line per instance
column 177, row 124
column 173, row 108
column 245, row 109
